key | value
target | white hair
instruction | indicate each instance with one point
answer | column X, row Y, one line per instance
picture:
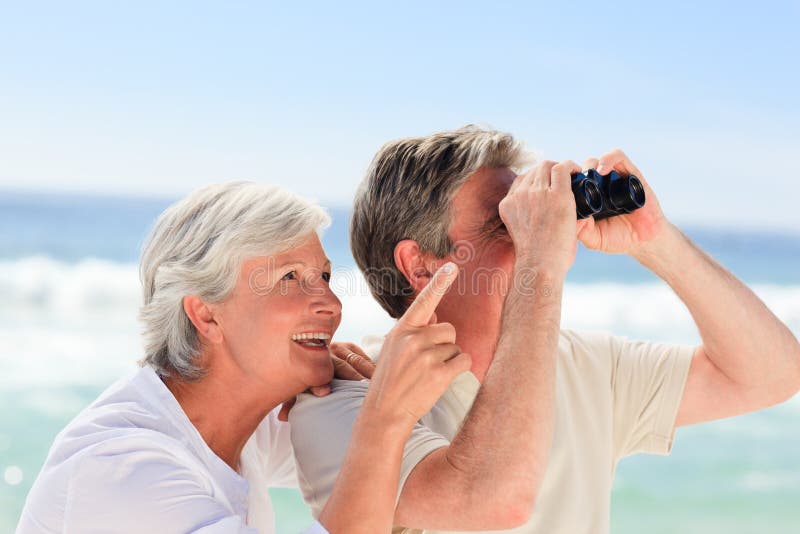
column 197, row 247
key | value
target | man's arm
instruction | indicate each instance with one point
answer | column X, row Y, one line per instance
column 749, row 359
column 489, row 476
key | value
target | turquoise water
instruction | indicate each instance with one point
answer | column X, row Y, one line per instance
column 68, row 301
column 736, row 476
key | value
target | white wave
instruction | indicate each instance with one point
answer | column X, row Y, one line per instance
column 39, row 287
column 77, row 323
column 653, row 311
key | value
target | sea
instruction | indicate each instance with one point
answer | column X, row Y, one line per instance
column 69, row 296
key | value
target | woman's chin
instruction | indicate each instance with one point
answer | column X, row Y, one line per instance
column 320, row 375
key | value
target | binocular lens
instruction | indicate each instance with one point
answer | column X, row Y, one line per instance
column 626, row 194
column 637, row 191
column 588, row 199
column 606, row 195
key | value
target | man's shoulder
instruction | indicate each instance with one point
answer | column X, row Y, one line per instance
column 588, row 342
column 331, row 416
column 586, row 354
column 345, row 395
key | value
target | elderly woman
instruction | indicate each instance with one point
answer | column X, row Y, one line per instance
column 238, row 317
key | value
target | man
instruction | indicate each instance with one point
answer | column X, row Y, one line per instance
column 531, row 437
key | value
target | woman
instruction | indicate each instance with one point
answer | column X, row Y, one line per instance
column 238, row 316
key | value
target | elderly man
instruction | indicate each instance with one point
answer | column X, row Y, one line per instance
column 531, row 436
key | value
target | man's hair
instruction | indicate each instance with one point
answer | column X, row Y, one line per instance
column 197, row 247
column 407, row 193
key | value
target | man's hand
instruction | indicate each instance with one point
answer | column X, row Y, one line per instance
column 629, row 233
column 349, row 363
column 539, row 213
column 457, row 487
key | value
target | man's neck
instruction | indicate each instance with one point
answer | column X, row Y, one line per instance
column 480, row 347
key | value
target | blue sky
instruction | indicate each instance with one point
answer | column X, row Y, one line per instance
column 158, row 98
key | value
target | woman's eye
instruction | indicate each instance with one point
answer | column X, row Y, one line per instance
column 291, row 275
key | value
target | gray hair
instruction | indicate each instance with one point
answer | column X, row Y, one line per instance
column 407, row 193
column 197, row 247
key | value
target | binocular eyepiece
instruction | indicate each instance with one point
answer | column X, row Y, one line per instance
column 604, row 196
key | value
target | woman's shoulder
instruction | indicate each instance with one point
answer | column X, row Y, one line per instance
column 114, row 478
column 123, row 421
column 105, row 433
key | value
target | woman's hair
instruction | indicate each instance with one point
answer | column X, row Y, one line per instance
column 407, row 194
column 197, row 247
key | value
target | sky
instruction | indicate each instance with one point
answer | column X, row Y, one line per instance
column 158, row 98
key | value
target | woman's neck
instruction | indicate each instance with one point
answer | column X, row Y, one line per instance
column 225, row 410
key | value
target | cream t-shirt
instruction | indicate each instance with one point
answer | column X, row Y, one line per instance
column 614, row 397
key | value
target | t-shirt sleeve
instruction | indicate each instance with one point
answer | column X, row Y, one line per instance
column 321, row 429
column 647, row 382
column 135, row 486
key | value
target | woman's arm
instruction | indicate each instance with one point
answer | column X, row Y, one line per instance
column 364, row 496
column 417, row 363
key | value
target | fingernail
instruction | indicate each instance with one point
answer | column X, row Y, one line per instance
column 449, row 267
column 601, row 168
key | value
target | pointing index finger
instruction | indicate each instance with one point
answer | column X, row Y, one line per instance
column 423, row 307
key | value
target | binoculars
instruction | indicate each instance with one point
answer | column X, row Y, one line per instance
column 604, row 196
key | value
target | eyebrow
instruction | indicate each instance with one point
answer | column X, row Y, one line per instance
column 327, row 263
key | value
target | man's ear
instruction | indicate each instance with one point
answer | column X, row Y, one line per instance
column 202, row 317
column 410, row 260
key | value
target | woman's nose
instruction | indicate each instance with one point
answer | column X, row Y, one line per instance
column 325, row 300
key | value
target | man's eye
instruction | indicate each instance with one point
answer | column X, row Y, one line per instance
column 326, row 276
column 291, row 275
column 499, row 227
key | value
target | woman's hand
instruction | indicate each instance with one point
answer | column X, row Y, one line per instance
column 350, row 362
column 418, row 361
column 419, row 358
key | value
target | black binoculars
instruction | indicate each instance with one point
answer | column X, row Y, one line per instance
column 604, row 196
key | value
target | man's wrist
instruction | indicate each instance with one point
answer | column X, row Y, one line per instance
column 536, row 283
column 532, row 271
column 659, row 251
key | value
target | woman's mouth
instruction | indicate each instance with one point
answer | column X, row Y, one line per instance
column 312, row 340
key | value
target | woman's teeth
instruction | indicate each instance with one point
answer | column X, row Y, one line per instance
column 312, row 340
